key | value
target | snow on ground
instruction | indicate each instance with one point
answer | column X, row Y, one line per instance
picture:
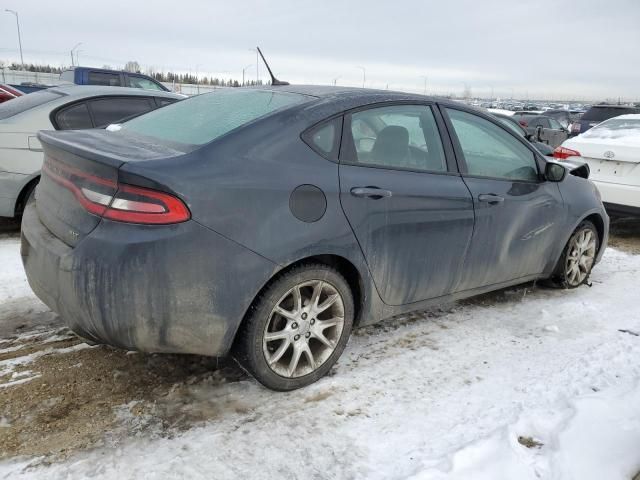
column 527, row 383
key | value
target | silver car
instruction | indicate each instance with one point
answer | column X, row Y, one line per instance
column 69, row 107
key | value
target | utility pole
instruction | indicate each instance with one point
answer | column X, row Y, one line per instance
column 425, row 83
column 76, row 46
column 364, row 75
column 335, row 80
column 19, row 38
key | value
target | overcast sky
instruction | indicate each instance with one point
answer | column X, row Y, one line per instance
column 584, row 49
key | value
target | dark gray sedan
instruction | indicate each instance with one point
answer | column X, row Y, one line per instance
column 267, row 223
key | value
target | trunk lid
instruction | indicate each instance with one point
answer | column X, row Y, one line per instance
column 80, row 178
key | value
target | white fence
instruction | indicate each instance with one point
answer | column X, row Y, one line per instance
column 18, row 76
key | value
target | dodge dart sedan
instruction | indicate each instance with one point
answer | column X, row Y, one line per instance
column 267, row 223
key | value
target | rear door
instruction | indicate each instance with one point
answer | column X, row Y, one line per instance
column 407, row 205
column 518, row 215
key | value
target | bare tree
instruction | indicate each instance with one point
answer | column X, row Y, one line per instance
column 132, row 66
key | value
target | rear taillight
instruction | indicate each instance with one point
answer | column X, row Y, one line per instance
column 119, row 202
column 563, row 153
column 523, row 123
column 143, row 205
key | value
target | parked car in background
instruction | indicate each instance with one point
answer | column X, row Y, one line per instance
column 61, row 108
column 566, row 118
column 29, row 87
column 267, row 222
column 544, row 129
column 7, row 92
column 612, row 151
column 515, row 126
column 600, row 113
column 110, row 78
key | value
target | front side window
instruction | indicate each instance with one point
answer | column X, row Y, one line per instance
column 113, row 110
column 106, row 79
column 145, row 83
column 490, row 151
column 203, row 118
column 398, row 136
column 74, row 117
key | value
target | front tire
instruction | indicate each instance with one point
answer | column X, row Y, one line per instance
column 578, row 256
column 297, row 328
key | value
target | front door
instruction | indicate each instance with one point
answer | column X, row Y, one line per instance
column 411, row 214
column 518, row 214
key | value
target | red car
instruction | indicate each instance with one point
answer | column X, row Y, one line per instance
column 7, row 92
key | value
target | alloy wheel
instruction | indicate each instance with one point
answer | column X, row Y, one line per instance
column 581, row 256
column 303, row 329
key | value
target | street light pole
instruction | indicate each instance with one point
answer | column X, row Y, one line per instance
column 364, row 75
column 244, row 70
column 19, row 38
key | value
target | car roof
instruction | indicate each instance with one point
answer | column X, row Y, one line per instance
column 628, row 116
column 326, row 92
column 82, row 91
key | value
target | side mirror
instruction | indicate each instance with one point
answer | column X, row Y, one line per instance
column 554, row 172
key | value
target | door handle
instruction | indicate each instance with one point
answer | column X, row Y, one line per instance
column 370, row 192
column 490, row 198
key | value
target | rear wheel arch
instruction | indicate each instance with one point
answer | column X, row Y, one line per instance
column 23, row 197
column 345, row 267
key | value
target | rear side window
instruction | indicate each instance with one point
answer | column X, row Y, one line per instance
column 27, row 102
column 397, row 137
column 107, row 79
column 74, row 117
column 203, row 118
column 600, row 114
column 325, row 138
column 113, row 110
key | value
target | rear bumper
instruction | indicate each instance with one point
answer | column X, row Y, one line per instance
column 180, row 288
column 625, row 196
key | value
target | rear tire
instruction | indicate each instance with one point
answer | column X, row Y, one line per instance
column 297, row 328
column 578, row 257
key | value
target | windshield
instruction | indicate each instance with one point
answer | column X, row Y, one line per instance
column 203, row 118
column 615, row 128
column 26, row 102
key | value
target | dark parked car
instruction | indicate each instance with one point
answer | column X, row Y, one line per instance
column 564, row 117
column 598, row 114
column 110, row 78
column 544, row 129
column 268, row 222
column 514, row 125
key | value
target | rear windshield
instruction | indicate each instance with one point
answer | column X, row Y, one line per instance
column 203, row 118
column 615, row 128
column 26, row 102
column 600, row 114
